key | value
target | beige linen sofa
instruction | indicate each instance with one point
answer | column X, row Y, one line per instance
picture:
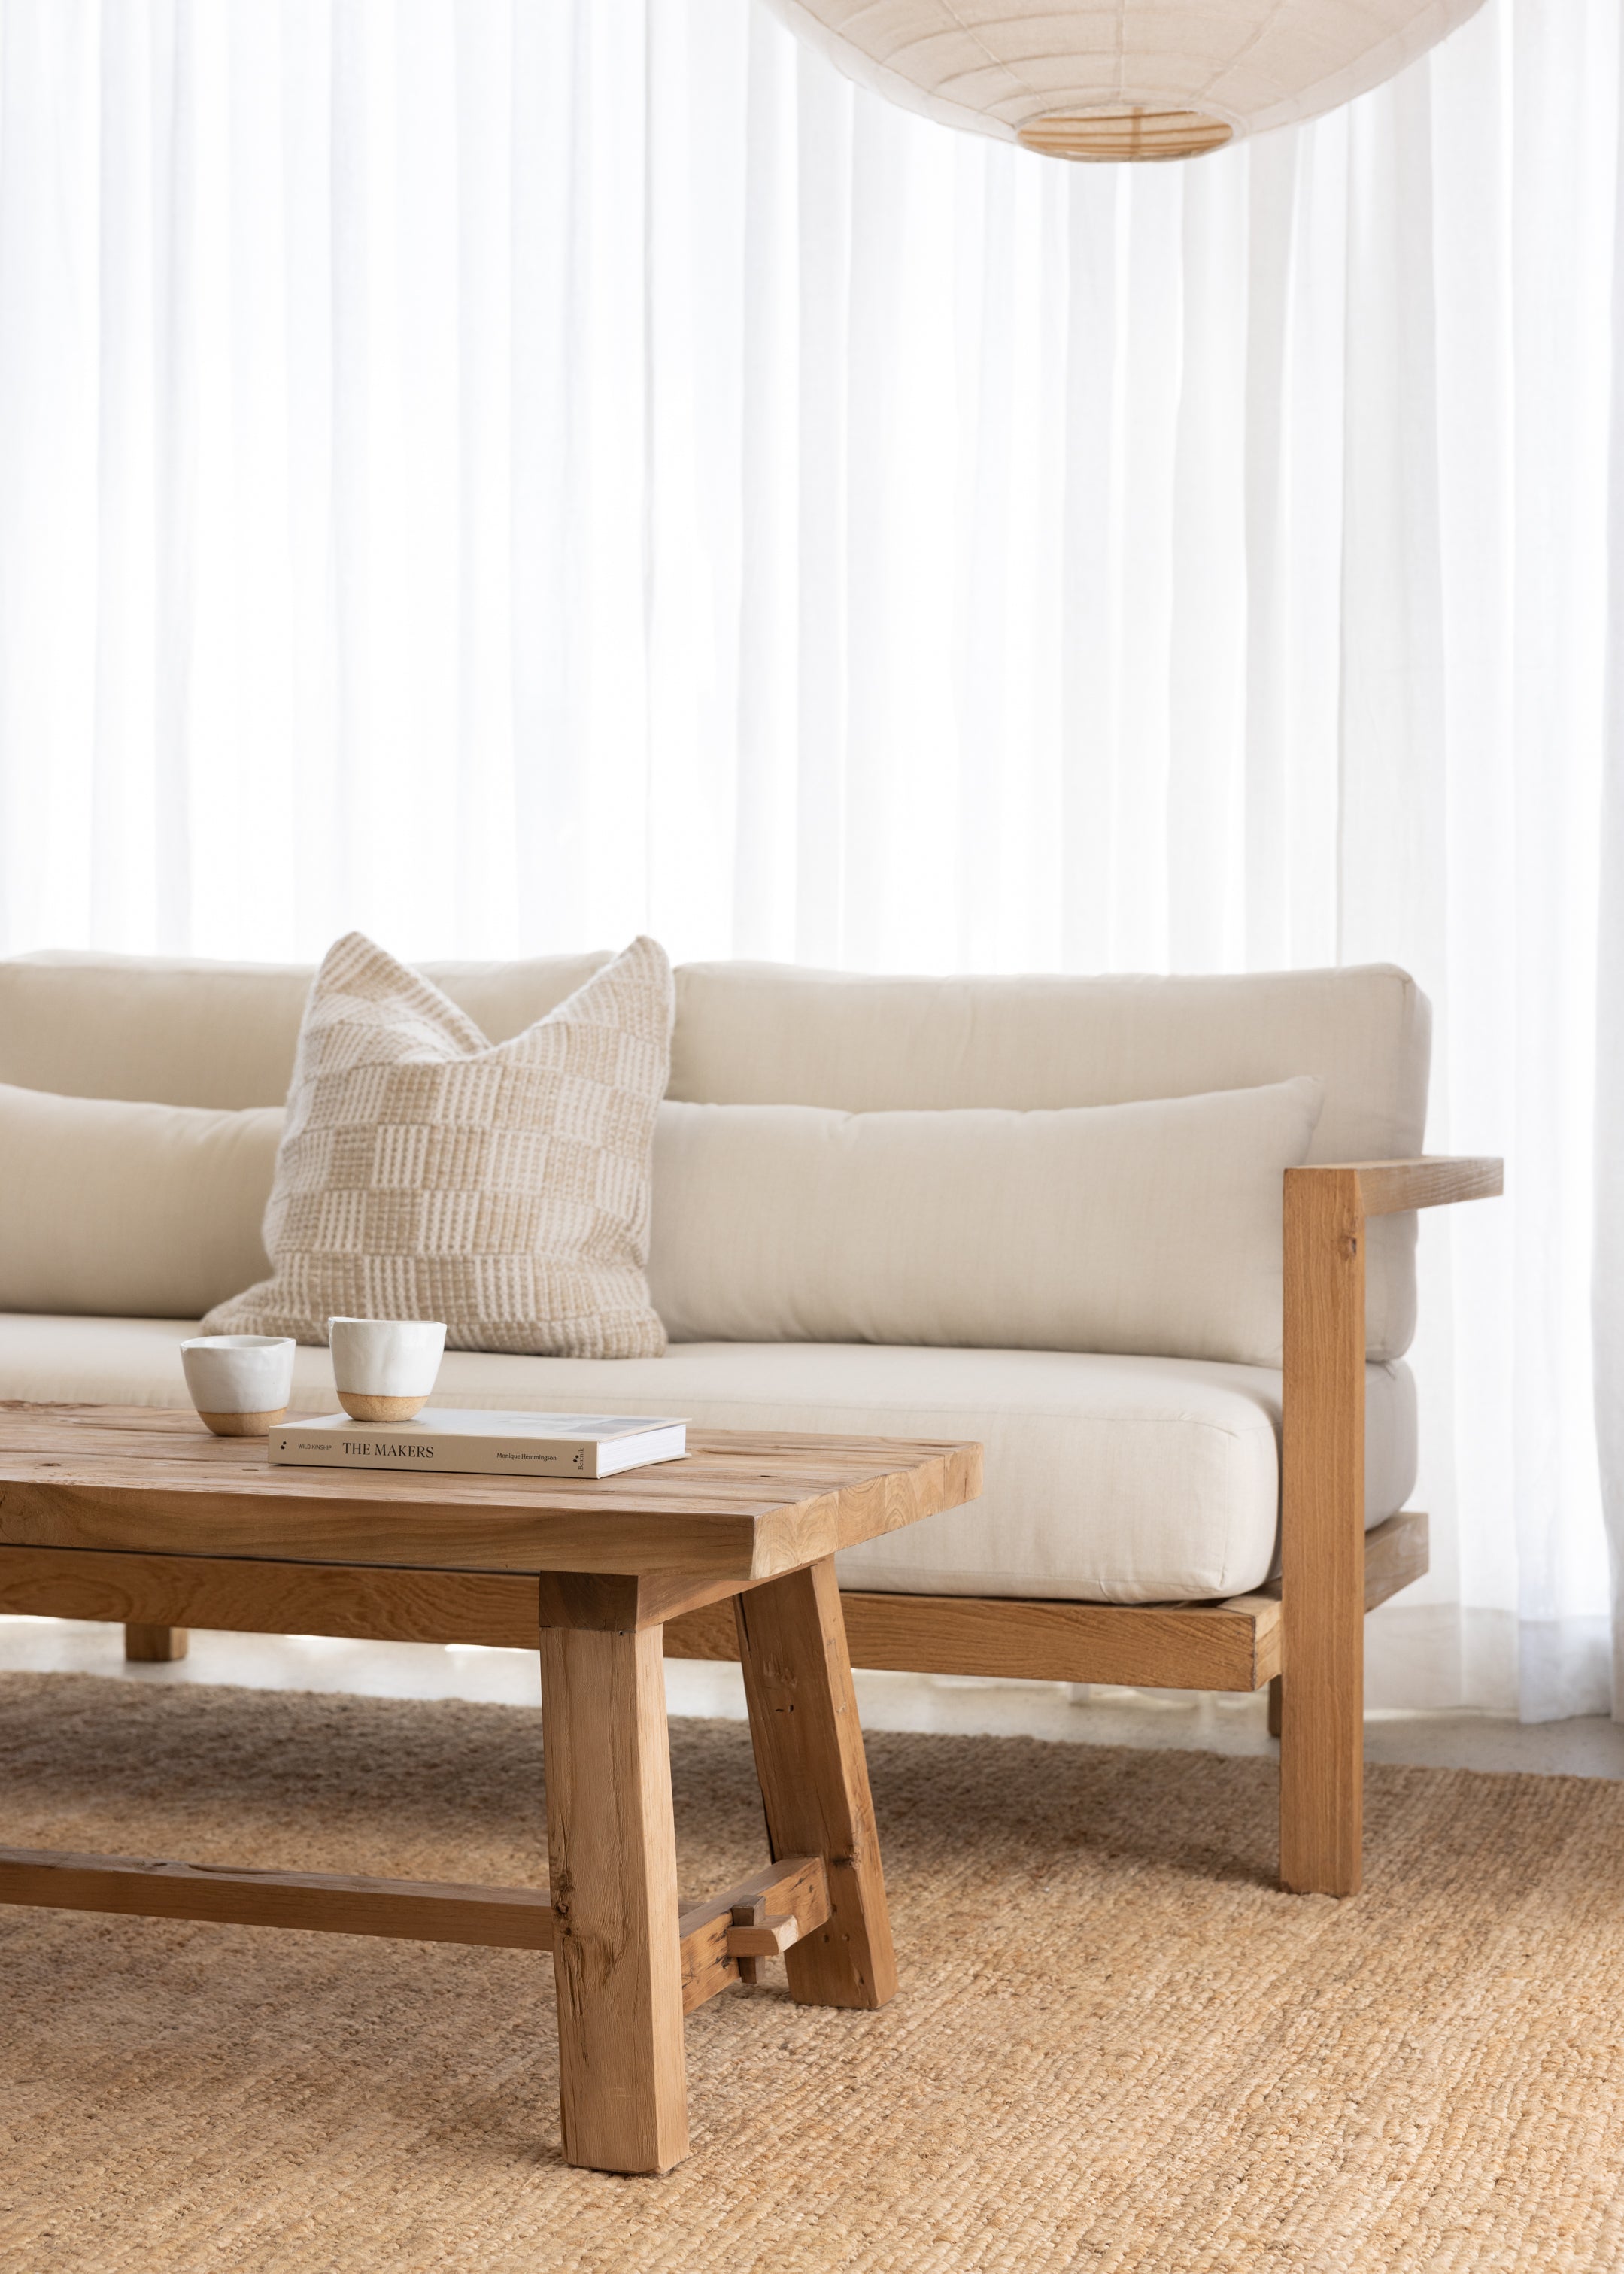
column 1132, row 1528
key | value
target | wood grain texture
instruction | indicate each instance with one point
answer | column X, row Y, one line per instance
column 497, row 1918
column 1228, row 1645
column 367, row 1602
column 744, row 1505
column 605, row 1600
column 617, row 1961
column 1322, row 1535
column 750, row 1914
column 1396, row 1553
column 153, row 1646
column 814, row 1781
column 1428, row 1181
column 798, row 1884
column 767, row 1937
column 1231, row 1645
column 414, row 1911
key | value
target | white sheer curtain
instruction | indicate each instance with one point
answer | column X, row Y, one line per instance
column 509, row 472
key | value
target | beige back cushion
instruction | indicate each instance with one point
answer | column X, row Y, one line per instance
column 130, row 1211
column 1151, row 1228
column 214, row 1034
column 201, row 1034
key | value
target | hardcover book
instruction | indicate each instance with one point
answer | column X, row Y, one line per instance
column 484, row 1444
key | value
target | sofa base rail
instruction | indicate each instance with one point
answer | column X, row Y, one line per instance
column 1229, row 1645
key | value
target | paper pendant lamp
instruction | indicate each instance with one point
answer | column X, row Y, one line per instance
column 1122, row 79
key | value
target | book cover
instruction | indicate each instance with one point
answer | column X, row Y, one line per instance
column 472, row 1444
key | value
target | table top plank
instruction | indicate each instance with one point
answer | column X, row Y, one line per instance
column 745, row 1504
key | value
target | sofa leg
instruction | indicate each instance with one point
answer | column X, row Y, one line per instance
column 1322, row 1535
column 1322, row 1775
column 147, row 1645
column 1273, row 1707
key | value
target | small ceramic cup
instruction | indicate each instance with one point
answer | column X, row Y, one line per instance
column 239, row 1383
column 385, row 1368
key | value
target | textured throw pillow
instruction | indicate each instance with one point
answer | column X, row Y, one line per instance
column 1152, row 1228
column 426, row 1173
column 129, row 1211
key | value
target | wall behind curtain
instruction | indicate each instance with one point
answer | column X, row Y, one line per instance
column 510, row 475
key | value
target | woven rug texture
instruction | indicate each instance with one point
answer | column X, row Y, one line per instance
column 1116, row 2046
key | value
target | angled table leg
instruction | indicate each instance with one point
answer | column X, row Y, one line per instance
column 612, row 1845
column 815, row 1781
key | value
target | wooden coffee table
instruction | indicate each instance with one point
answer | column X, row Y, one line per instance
column 129, row 1514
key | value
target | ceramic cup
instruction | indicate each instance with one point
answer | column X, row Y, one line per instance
column 385, row 1368
column 239, row 1383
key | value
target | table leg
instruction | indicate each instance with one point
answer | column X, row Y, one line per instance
column 815, row 1781
column 617, row 1958
column 150, row 1645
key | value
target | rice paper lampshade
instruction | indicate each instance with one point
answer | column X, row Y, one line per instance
column 1122, row 79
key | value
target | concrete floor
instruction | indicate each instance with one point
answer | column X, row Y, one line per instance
column 1202, row 1720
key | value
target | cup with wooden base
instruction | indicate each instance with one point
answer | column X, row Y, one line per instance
column 239, row 1383
column 385, row 1368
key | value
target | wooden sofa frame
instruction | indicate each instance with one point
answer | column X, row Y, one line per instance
column 1304, row 1636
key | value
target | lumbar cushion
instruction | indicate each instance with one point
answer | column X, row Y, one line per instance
column 128, row 1210
column 775, row 1034
column 427, row 1173
column 1149, row 1228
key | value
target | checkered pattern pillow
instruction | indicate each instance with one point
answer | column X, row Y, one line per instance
column 426, row 1173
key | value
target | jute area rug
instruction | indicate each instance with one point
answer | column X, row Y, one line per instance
column 1115, row 2046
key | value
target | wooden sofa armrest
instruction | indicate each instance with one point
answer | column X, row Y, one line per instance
column 1431, row 1180
column 1322, row 1496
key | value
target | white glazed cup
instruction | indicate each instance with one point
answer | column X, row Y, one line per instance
column 239, row 1383
column 385, row 1368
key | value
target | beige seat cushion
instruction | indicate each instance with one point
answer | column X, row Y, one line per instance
column 130, row 1209
column 427, row 1173
column 1111, row 1479
column 1151, row 1228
